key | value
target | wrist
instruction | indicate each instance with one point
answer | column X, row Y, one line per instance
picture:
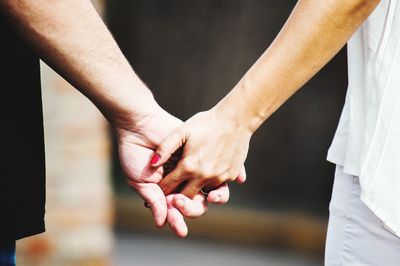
column 151, row 129
column 239, row 107
column 132, row 109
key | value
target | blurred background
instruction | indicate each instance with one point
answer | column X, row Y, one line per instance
column 190, row 54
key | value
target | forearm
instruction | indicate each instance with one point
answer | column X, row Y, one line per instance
column 71, row 37
column 315, row 31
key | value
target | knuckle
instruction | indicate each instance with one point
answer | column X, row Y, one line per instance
column 189, row 166
column 231, row 177
column 163, row 150
column 221, row 179
column 224, row 177
column 207, row 174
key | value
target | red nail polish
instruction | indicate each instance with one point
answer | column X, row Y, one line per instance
column 155, row 158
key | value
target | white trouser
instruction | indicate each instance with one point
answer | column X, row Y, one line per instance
column 355, row 235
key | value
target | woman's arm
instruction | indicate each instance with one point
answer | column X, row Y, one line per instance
column 313, row 34
column 216, row 141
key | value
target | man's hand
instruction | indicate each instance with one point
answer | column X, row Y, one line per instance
column 136, row 147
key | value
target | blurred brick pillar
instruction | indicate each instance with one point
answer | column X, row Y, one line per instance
column 78, row 209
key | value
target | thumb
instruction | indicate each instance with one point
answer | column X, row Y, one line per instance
column 168, row 146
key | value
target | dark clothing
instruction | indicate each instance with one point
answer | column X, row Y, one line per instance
column 7, row 254
column 22, row 165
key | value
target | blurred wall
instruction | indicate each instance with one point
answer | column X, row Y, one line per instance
column 78, row 208
column 191, row 53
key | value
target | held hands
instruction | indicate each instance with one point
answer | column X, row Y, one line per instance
column 214, row 151
column 136, row 145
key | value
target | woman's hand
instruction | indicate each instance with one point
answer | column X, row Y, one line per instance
column 214, row 150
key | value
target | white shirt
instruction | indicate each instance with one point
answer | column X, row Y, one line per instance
column 367, row 140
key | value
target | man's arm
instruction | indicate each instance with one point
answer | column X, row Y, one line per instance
column 71, row 37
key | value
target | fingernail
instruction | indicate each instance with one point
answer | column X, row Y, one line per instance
column 155, row 158
column 180, row 203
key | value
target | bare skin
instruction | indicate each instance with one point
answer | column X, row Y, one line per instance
column 315, row 31
column 71, row 37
